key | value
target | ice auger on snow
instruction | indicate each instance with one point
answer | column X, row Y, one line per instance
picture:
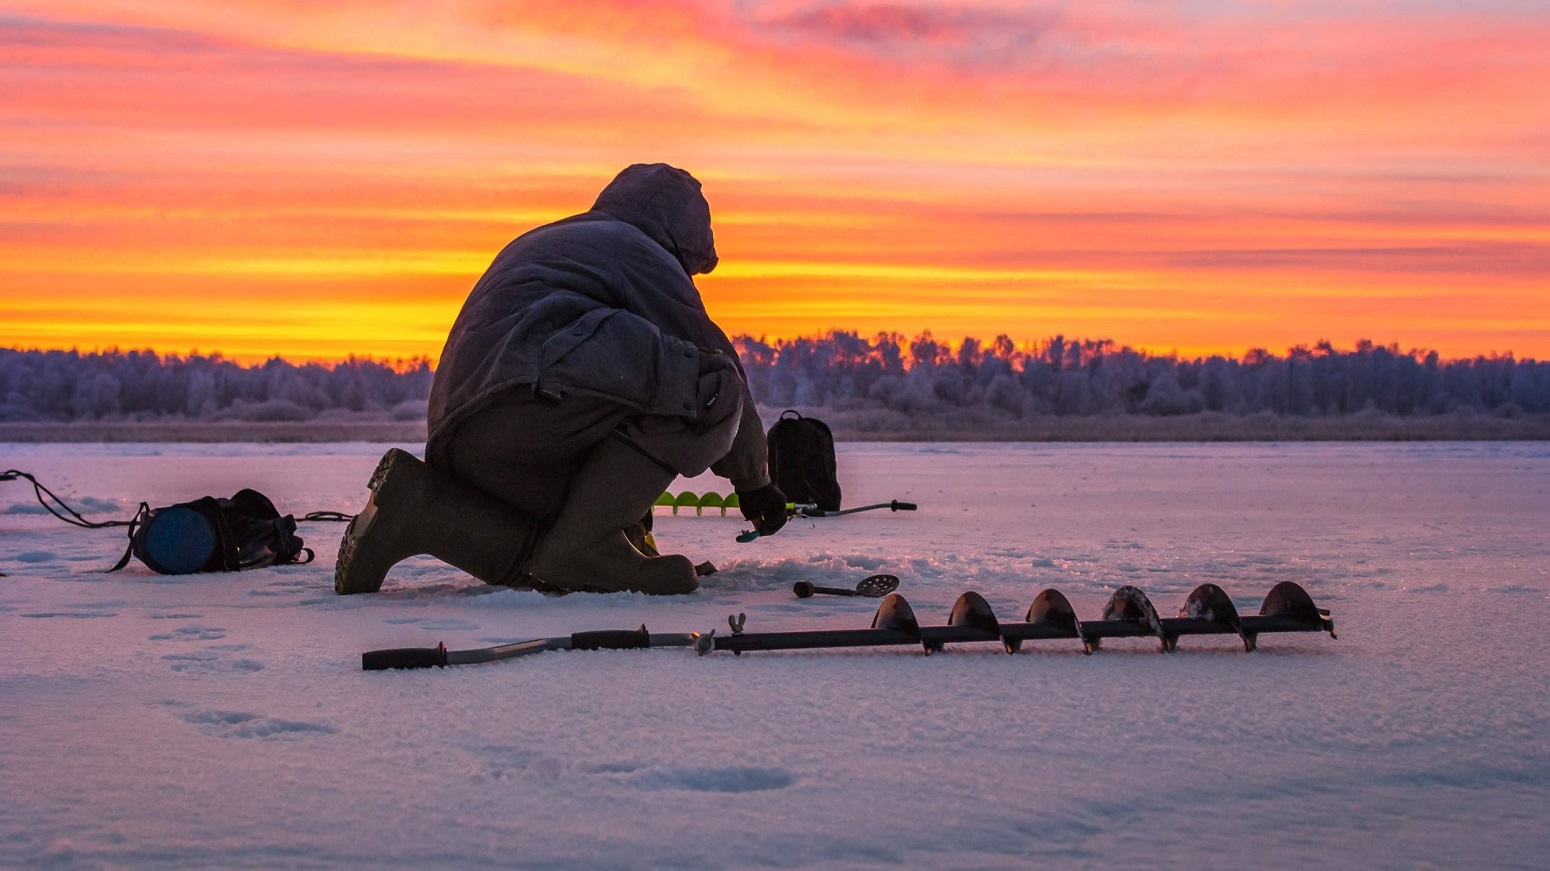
column 1128, row 614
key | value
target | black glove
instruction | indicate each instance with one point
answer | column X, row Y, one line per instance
column 764, row 507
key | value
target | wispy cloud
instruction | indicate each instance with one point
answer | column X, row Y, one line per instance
column 979, row 37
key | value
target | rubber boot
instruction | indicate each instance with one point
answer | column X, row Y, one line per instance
column 414, row 509
column 587, row 550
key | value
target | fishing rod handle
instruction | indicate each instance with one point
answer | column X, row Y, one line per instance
column 405, row 657
column 611, row 639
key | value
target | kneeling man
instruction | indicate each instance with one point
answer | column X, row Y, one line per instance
column 581, row 377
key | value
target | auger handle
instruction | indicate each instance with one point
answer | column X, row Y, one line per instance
column 611, row 639
column 404, row 657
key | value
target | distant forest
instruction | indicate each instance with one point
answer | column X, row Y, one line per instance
column 841, row 371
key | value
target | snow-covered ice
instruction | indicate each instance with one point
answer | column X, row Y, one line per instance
column 224, row 721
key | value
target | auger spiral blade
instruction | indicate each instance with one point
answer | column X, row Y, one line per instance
column 896, row 614
column 1287, row 608
column 971, row 620
column 1050, row 616
column 1209, row 604
column 1129, row 605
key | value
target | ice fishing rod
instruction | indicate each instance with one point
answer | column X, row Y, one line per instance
column 1128, row 614
column 809, row 509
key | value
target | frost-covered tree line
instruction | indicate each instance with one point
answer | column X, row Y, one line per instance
column 1069, row 377
column 836, row 370
column 141, row 385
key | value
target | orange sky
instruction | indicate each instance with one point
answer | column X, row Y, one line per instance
column 264, row 177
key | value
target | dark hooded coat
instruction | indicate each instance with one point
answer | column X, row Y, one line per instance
column 600, row 304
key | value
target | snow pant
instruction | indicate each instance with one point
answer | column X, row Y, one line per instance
column 587, row 471
column 525, row 452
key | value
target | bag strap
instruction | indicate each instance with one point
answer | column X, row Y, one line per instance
column 134, row 525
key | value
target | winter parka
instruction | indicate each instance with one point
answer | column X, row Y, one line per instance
column 600, row 304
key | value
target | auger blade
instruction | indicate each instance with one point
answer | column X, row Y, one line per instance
column 1287, row 608
column 1050, row 616
column 971, row 620
column 895, row 613
column 1129, row 605
column 1289, row 599
column 1207, row 604
column 1210, row 602
column 971, row 609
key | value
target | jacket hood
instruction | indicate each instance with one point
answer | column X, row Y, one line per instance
column 665, row 203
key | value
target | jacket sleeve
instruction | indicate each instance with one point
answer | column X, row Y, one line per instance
column 746, row 465
column 653, row 285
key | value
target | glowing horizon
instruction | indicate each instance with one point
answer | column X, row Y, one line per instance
column 263, row 178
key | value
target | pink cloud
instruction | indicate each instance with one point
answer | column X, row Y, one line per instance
column 984, row 36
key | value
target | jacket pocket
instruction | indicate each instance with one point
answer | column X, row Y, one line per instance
column 551, row 377
column 624, row 357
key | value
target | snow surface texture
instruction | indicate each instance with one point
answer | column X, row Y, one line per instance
column 224, row 721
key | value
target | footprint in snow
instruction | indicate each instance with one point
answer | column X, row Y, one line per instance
column 506, row 762
column 191, row 633
column 733, row 779
column 36, row 556
column 211, row 662
column 445, row 625
column 295, row 587
column 240, row 724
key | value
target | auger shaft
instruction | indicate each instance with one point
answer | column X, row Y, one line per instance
column 814, row 639
column 1129, row 614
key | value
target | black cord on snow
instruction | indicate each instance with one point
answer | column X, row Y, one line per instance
column 74, row 518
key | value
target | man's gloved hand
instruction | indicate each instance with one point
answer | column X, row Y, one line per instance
column 764, row 507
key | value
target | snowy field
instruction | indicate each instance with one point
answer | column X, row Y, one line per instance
column 223, row 720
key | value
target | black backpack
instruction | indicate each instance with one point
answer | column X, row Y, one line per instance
column 212, row 535
column 802, row 461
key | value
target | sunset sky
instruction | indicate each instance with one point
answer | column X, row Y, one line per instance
column 309, row 179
